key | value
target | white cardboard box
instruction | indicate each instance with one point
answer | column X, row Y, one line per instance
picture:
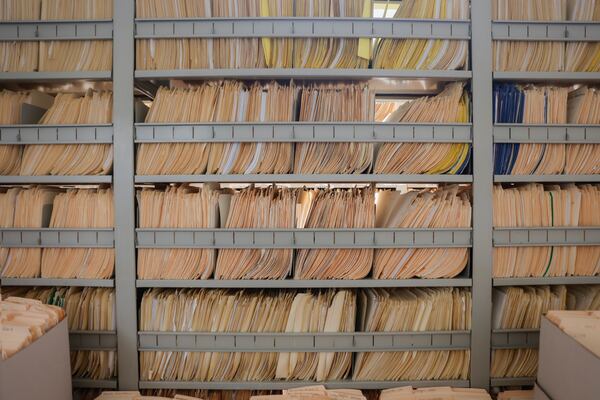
column 566, row 370
column 42, row 370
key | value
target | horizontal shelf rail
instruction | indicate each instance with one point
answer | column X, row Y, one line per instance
column 303, row 132
column 571, row 31
column 60, row 76
column 546, row 178
column 304, row 178
column 280, row 385
column 85, row 383
column 46, row 282
column 584, row 134
column 302, row 27
column 552, row 236
column 56, row 134
column 302, row 283
column 515, row 338
column 55, row 179
column 305, row 342
column 565, row 77
column 301, row 73
column 302, row 238
column 519, row 381
column 548, row 280
column 93, row 340
column 56, row 30
column 56, row 237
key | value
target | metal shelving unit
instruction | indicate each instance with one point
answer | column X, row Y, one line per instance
column 125, row 134
column 85, row 383
column 93, row 340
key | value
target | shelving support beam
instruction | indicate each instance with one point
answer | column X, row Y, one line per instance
column 124, row 192
column 481, row 43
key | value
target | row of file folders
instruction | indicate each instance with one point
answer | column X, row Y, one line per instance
column 210, row 207
column 232, row 101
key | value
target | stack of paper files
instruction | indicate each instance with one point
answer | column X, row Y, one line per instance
column 177, row 207
column 246, row 311
column 87, row 309
column 138, row 396
column 536, row 205
column 217, row 102
column 522, row 308
column 56, row 55
column 255, row 208
column 233, row 101
column 24, row 208
column 452, row 105
column 434, row 393
column 583, row 326
column 516, row 104
column 406, row 310
column 22, row 321
column 534, row 10
column 444, row 207
column 425, row 54
column 205, row 394
column 76, row 208
column 72, row 159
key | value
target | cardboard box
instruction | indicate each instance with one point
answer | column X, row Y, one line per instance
column 539, row 393
column 567, row 370
column 41, row 370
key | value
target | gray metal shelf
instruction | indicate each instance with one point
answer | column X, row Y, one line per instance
column 520, row 381
column 93, row 340
column 546, row 178
column 551, row 236
column 572, row 134
column 55, row 76
column 56, row 30
column 303, row 132
column 301, row 73
column 280, row 385
column 109, row 283
column 515, row 338
column 303, row 284
column 85, row 383
column 55, row 179
column 56, row 134
column 548, row 280
column 305, row 342
column 302, row 238
column 571, row 31
column 301, row 27
column 565, row 77
column 57, row 237
column 301, row 178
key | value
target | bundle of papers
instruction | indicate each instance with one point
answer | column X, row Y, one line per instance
column 246, row 311
column 583, row 326
column 530, row 104
column 425, row 54
column 72, row 159
column 333, row 103
column 90, row 309
column 535, row 205
column 313, row 392
column 20, row 10
column 19, row 56
column 522, row 308
column 27, row 10
column 228, row 101
column 177, row 207
column 446, row 207
column 402, row 310
column 452, row 105
column 22, row 321
column 256, row 208
column 10, row 114
column 93, row 364
column 532, row 10
column 336, row 209
column 138, row 396
column 434, row 393
column 583, row 10
column 205, row 394
column 24, row 208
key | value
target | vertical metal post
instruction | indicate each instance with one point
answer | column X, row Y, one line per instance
column 481, row 42
column 124, row 192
